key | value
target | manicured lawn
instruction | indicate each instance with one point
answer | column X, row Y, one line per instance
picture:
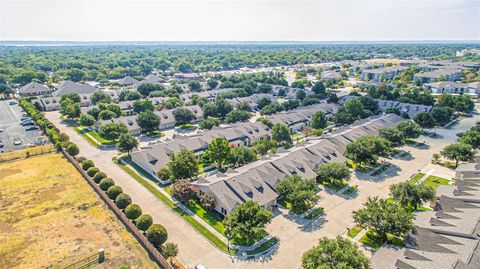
column 101, row 139
column 336, row 186
column 372, row 240
column 154, row 133
column 364, row 168
column 416, row 178
column 264, row 247
column 83, row 133
column 434, row 181
column 248, row 241
column 315, row 213
column 195, row 224
column 354, row 231
column 213, row 219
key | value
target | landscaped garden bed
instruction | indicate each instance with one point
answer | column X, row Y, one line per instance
column 416, row 178
column 372, row 240
column 264, row 247
column 434, row 181
column 352, row 232
column 315, row 213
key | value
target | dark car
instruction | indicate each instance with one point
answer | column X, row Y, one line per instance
column 27, row 123
column 31, row 128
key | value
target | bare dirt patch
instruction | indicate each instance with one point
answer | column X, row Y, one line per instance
column 50, row 217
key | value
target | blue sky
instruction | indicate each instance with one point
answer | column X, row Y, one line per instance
column 234, row 20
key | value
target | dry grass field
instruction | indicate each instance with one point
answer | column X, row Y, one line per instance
column 50, row 217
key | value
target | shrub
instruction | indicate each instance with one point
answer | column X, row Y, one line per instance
column 114, row 191
column 87, row 164
column 106, row 183
column 123, row 200
column 72, row 149
column 92, row 171
column 99, row 176
column 207, row 201
column 170, row 250
column 133, row 211
column 80, row 159
column 157, row 235
column 144, row 222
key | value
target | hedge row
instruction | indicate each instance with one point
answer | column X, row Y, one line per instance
column 155, row 233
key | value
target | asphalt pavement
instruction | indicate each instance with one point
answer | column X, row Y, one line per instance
column 10, row 128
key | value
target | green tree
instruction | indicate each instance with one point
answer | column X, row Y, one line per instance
column 333, row 172
column 218, row 152
column 208, row 123
column 366, row 149
column 263, row 102
column 318, row 88
column 281, row 134
column 264, row 88
column 354, row 107
column 100, row 97
column 114, row 191
column 194, row 86
column 183, row 115
column 69, row 108
column 442, row 115
column 123, row 200
column 301, row 193
column 409, row 129
column 384, row 218
column 335, row 254
column 393, row 135
column 86, row 120
column 106, row 115
column 472, row 138
column 146, row 88
column 144, row 222
column 410, row 194
column 425, row 120
column 458, row 152
column 126, row 143
column 133, row 211
column 164, row 173
column 247, row 220
column 157, row 235
column 183, row 164
column 148, row 121
column 319, row 120
column 242, row 155
column 238, row 115
column 112, row 130
column 143, row 105
column 75, row 74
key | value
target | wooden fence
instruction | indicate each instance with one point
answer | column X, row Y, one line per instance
column 88, row 261
column 152, row 251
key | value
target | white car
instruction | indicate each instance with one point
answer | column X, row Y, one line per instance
column 17, row 141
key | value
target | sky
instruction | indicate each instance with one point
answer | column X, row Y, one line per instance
column 239, row 20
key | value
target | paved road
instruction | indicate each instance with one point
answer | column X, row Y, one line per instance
column 294, row 238
column 10, row 124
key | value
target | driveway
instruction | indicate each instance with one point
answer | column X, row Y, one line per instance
column 295, row 238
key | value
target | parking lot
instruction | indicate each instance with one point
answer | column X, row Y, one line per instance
column 11, row 130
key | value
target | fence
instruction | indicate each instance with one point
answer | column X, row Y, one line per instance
column 88, row 261
column 25, row 153
column 152, row 251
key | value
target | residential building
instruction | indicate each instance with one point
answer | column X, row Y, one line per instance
column 299, row 118
column 190, row 76
column 69, row 86
column 127, row 81
column 441, row 87
column 445, row 238
column 167, row 120
column 257, row 181
column 411, row 109
column 34, row 89
column 129, row 121
column 329, row 75
column 251, row 100
column 382, row 74
column 448, row 74
column 156, row 156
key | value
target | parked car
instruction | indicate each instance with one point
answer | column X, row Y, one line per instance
column 17, row 141
column 25, row 118
column 31, row 128
column 1, row 130
column 12, row 103
column 1, row 144
column 27, row 123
